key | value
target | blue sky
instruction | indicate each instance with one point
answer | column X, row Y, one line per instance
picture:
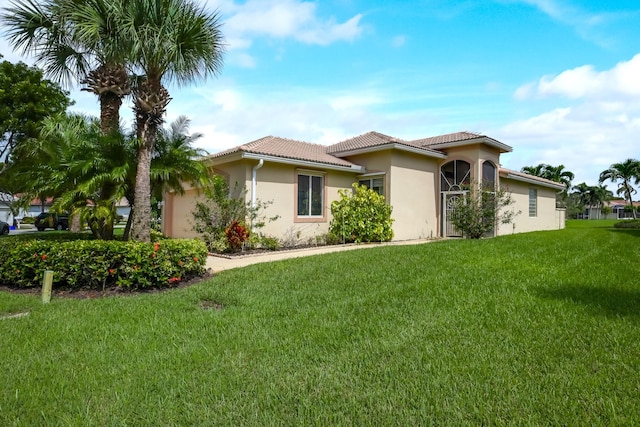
column 558, row 80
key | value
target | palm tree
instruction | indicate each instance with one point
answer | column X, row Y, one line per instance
column 171, row 40
column 625, row 172
column 73, row 39
column 85, row 171
column 534, row 170
column 174, row 162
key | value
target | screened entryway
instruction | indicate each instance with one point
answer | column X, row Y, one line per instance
column 454, row 177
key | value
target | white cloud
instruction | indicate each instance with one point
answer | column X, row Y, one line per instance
column 585, row 82
column 286, row 19
column 598, row 125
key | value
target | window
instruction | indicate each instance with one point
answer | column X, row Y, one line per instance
column 310, row 195
column 488, row 175
column 376, row 184
column 454, row 175
column 533, row 202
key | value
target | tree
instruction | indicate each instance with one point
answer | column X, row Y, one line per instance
column 555, row 174
column 88, row 172
column 589, row 196
column 174, row 161
column 84, row 170
column 477, row 213
column 171, row 40
column 625, row 172
column 75, row 40
column 26, row 99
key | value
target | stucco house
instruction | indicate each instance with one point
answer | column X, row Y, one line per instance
column 418, row 178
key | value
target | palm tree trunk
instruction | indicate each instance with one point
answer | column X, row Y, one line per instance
column 141, row 221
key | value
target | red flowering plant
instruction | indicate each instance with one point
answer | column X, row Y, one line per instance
column 237, row 234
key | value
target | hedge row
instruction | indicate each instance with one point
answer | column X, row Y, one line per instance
column 629, row 223
column 99, row 264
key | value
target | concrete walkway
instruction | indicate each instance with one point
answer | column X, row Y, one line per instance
column 221, row 263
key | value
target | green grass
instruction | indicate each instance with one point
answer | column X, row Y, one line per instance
column 531, row 329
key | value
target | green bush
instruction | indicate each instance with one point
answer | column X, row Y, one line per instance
column 630, row 223
column 361, row 215
column 98, row 264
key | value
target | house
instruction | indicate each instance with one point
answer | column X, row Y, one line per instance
column 419, row 178
column 617, row 210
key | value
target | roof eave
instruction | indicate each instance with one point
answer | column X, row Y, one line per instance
column 306, row 163
column 391, row 146
column 504, row 148
column 532, row 180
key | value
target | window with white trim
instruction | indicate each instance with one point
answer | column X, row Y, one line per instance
column 376, row 184
column 533, row 202
column 310, row 195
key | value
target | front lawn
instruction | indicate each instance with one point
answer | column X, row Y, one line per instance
column 532, row 329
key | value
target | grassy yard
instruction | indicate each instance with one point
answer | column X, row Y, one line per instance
column 532, row 329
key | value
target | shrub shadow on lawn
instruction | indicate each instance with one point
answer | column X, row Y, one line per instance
column 602, row 301
column 630, row 231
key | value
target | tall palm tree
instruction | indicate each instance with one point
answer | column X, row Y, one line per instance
column 625, row 172
column 171, row 40
column 174, row 162
column 75, row 40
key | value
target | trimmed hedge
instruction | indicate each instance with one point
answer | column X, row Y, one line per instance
column 629, row 223
column 99, row 264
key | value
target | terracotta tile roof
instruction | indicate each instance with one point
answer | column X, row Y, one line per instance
column 370, row 140
column 287, row 148
column 447, row 139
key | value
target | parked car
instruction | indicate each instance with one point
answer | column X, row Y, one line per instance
column 52, row 220
column 4, row 228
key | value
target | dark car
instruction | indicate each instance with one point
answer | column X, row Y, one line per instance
column 4, row 228
column 52, row 220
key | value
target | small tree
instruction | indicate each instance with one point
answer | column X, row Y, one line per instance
column 361, row 215
column 480, row 210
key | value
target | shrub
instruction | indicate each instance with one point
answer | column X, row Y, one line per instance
column 631, row 223
column 214, row 215
column 236, row 234
column 477, row 212
column 97, row 264
column 361, row 215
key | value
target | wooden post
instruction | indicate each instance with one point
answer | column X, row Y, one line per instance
column 47, row 282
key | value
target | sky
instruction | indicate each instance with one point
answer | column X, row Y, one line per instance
column 557, row 80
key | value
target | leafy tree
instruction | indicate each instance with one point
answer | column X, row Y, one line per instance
column 477, row 213
column 361, row 215
column 26, row 99
column 626, row 173
column 171, row 40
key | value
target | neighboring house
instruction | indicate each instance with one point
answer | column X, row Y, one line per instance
column 617, row 211
column 418, row 178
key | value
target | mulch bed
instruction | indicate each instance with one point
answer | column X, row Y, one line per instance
column 107, row 292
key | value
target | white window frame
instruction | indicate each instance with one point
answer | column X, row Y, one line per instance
column 311, row 175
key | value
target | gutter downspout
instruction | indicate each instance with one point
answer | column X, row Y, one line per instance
column 254, row 183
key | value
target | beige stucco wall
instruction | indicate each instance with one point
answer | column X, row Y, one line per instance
column 412, row 193
column 548, row 217
column 410, row 187
column 275, row 188
column 276, row 183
